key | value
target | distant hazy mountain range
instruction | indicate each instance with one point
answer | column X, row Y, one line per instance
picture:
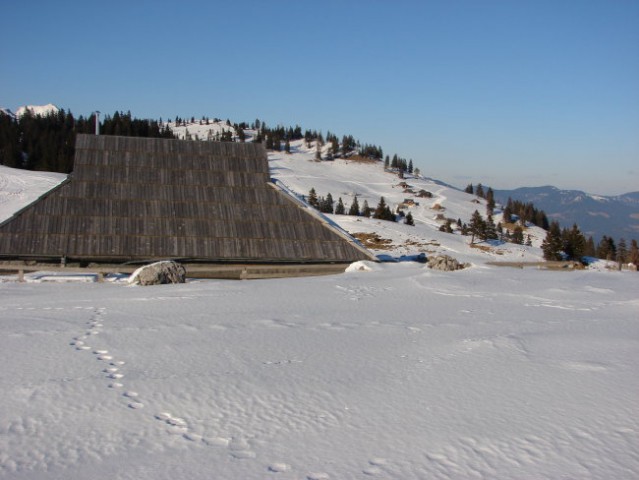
column 596, row 215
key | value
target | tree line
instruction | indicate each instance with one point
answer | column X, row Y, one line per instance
column 47, row 142
column 559, row 243
column 382, row 211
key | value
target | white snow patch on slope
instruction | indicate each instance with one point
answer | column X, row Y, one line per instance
column 18, row 188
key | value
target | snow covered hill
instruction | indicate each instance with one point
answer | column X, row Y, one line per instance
column 345, row 179
column 19, row 188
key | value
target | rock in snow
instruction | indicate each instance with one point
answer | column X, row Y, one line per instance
column 445, row 263
column 159, row 273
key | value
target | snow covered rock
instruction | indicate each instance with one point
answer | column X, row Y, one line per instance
column 445, row 263
column 360, row 266
column 159, row 273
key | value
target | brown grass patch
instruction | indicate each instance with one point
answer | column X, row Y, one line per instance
column 486, row 248
column 373, row 241
column 511, row 226
column 414, row 243
column 360, row 159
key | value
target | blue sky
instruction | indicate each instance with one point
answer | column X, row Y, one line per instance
column 506, row 93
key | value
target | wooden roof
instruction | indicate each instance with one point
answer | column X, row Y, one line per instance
column 139, row 199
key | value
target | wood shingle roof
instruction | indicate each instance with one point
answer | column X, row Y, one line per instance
column 142, row 199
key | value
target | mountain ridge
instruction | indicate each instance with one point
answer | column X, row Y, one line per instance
column 596, row 215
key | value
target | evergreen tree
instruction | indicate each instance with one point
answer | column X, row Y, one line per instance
column 552, row 244
column 326, row 205
column 490, row 201
column 469, row 189
column 354, row 209
column 410, row 166
column 312, row 198
column 490, row 231
column 590, row 250
column 477, row 227
column 446, row 227
column 606, row 249
column 622, row 252
column 334, row 146
column 479, row 191
column 383, row 211
column 508, row 211
column 340, row 209
column 408, row 220
column 528, row 240
column 517, row 235
column 633, row 254
column 366, row 210
column 574, row 243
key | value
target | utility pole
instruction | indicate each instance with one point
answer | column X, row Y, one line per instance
column 97, row 122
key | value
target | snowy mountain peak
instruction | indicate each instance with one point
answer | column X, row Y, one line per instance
column 8, row 112
column 41, row 110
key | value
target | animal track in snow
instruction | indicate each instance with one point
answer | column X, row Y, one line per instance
column 278, row 467
column 317, row 476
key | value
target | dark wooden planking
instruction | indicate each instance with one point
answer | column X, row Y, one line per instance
column 132, row 198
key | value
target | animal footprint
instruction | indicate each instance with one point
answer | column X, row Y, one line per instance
column 375, row 463
column 177, row 424
column 278, row 467
column 317, row 476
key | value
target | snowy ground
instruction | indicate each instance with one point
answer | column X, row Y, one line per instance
column 18, row 188
column 400, row 372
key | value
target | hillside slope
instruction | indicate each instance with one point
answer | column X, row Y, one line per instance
column 18, row 188
column 345, row 179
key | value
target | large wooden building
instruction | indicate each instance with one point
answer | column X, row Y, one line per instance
column 142, row 199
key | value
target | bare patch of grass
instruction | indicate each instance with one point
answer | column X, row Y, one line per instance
column 373, row 241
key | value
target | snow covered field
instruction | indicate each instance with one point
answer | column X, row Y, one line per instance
column 399, row 372
column 391, row 371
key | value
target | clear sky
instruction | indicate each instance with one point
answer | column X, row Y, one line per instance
column 507, row 93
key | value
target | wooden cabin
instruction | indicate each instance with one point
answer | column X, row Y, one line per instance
column 144, row 199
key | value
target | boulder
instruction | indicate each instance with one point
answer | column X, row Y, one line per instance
column 159, row 273
column 445, row 263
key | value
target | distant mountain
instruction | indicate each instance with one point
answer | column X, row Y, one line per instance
column 37, row 110
column 596, row 215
